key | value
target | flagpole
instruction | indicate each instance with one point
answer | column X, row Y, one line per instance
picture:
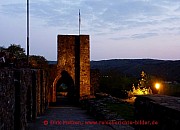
column 28, row 32
column 79, row 21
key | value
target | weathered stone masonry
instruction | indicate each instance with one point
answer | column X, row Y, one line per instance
column 19, row 91
column 161, row 108
column 74, row 58
column 7, row 97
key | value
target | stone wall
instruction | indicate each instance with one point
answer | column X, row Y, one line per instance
column 15, row 103
column 74, row 58
column 38, row 94
column 66, row 55
column 95, row 81
column 84, row 65
column 52, row 76
column 42, row 87
column 66, row 59
column 161, row 108
column 25, row 82
column 18, row 94
column 7, row 99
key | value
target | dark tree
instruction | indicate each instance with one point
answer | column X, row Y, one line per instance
column 16, row 51
column 13, row 56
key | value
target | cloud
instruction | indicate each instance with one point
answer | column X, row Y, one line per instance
column 16, row 9
column 177, row 9
column 134, row 36
column 144, row 35
column 119, row 38
column 101, row 16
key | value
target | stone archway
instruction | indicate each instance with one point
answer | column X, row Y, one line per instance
column 65, row 87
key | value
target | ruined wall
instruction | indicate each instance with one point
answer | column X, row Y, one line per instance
column 74, row 57
column 25, row 82
column 38, row 94
column 7, row 99
column 52, row 76
column 66, row 59
column 18, row 97
column 95, row 81
column 161, row 108
column 42, row 91
column 66, row 55
column 45, row 87
column 15, row 104
column 84, row 65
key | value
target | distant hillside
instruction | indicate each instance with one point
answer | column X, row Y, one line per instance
column 52, row 62
column 166, row 69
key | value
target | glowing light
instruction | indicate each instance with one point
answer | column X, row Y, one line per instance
column 139, row 91
column 157, row 86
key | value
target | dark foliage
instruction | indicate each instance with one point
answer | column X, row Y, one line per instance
column 119, row 75
column 13, row 56
column 167, row 70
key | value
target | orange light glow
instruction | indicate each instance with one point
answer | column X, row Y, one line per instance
column 157, row 86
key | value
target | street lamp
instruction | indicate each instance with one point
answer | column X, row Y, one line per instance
column 157, row 86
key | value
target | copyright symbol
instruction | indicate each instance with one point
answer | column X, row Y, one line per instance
column 45, row 122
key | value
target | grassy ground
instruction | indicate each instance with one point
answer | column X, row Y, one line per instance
column 125, row 110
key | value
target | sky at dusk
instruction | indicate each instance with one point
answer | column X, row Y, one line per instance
column 118, row 29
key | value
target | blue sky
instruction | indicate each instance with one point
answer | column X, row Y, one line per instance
column 118, row 29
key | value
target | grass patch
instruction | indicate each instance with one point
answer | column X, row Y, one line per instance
column 126, row 111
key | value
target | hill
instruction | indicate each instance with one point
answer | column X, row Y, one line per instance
column 168, row 70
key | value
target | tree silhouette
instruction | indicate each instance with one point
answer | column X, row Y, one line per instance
column 16, row 52
column 13, row 56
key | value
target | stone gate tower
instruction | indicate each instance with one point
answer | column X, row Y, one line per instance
column 73, row 57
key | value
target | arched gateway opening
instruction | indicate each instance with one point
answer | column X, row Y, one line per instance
column 65, row 89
